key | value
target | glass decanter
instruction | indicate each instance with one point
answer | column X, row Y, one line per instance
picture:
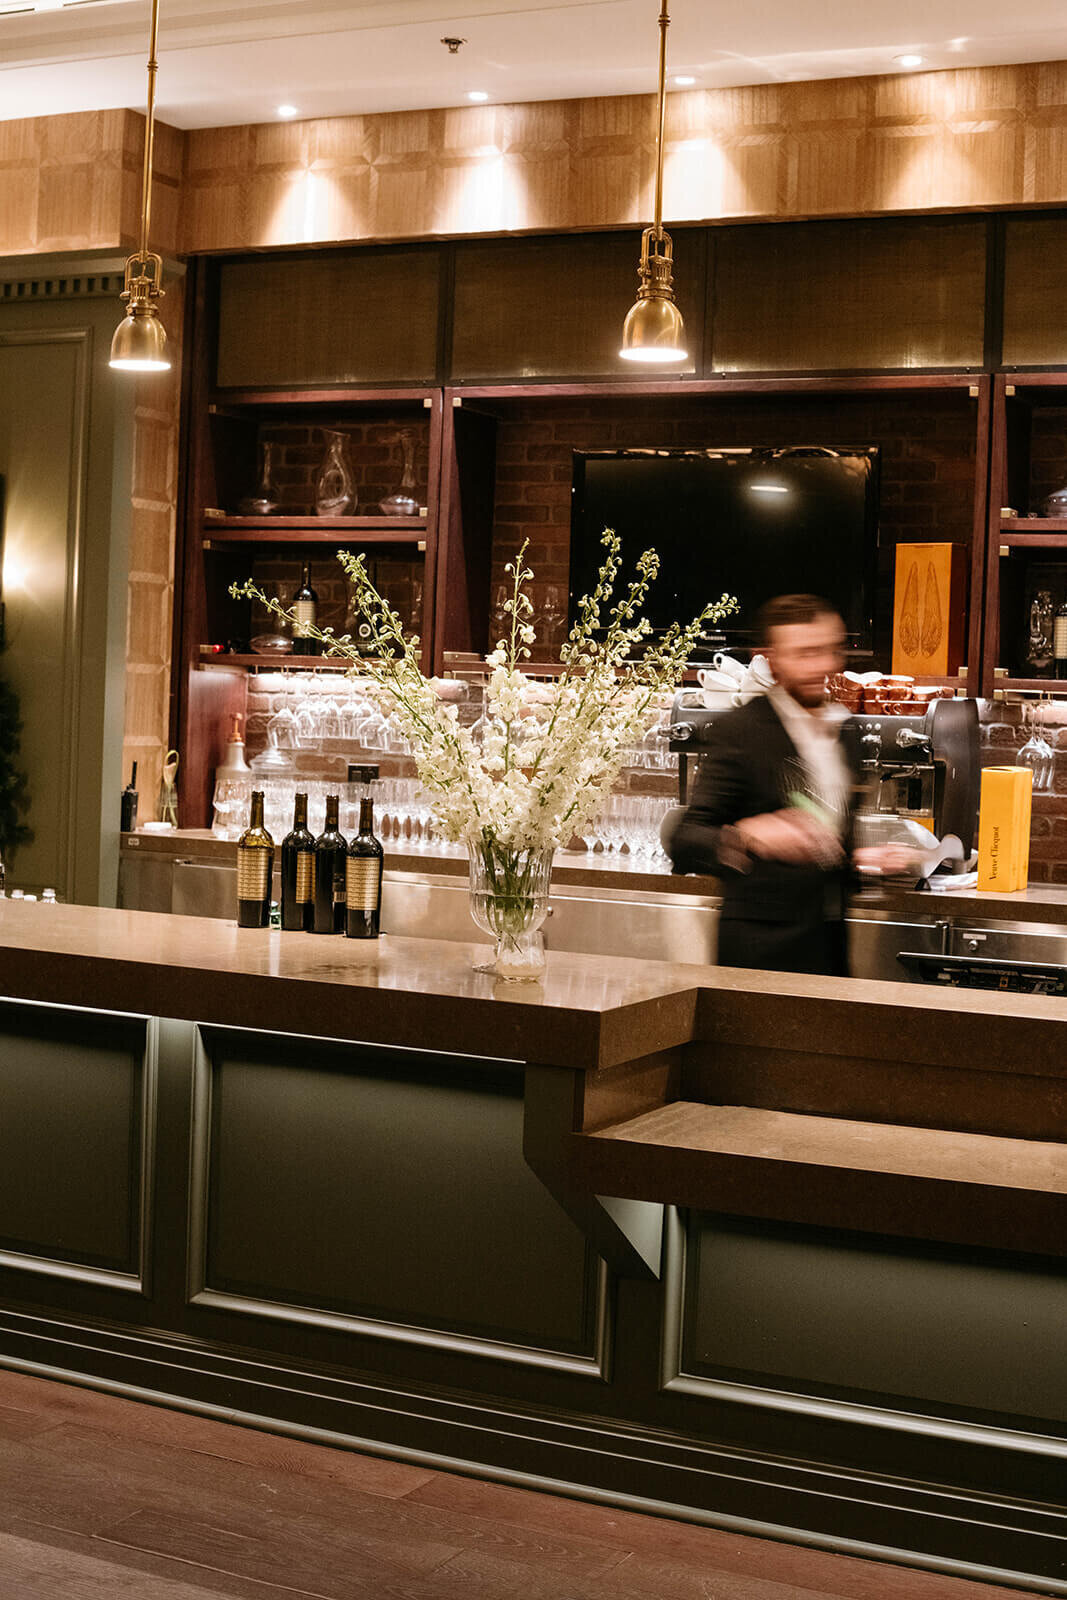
column 265, row 499
column 404, row 502
column 335, row 485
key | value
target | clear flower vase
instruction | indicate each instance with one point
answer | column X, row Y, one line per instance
column 509, row 901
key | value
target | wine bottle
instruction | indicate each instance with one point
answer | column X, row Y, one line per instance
column 298, row 872
column 129, row 803
column 255, row 864
column 329, row 915
column 305, row 607
column 363, row 879
column 1059, row 641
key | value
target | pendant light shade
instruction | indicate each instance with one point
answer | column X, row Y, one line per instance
column 140, row 341
column 653, row 332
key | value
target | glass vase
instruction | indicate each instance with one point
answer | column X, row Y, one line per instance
column 404, row 503
column 509, row 901
column 335, row 485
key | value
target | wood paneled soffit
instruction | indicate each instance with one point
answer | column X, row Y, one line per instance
column 74, row 183
column 860, row 146
column 936, row 141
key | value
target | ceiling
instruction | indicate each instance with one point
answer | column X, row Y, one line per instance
column 236, row 61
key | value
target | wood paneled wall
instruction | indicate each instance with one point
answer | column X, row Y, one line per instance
column 74, row 183
column 932, row 141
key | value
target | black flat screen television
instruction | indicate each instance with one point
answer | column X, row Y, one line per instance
column 753, row 523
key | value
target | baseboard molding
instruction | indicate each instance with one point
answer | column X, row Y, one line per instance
column 983, row 1537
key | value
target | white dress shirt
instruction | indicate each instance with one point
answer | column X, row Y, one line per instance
column 816, row 734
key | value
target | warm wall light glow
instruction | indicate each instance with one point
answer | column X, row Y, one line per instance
column 685, row 83
column 477, row 94
column 287, row 111
column 768, row 488
column 909, row 60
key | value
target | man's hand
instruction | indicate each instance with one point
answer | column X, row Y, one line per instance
column 888, row 860
column 790, row 835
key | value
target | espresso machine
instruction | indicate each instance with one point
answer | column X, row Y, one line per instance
column 924, row 767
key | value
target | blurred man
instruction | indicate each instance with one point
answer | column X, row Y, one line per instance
column 772, row 808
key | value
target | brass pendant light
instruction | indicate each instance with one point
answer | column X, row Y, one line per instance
column 140, row 342
column 654, row 332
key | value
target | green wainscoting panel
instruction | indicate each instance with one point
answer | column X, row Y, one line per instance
column 975, row 1334
column 391, row 1189
column 75, row 1141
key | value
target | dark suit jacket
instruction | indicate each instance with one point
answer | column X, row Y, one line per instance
column 776, row 914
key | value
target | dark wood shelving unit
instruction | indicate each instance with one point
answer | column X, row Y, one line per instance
column 222, row 430
column 467, row 486
column 1017, row 396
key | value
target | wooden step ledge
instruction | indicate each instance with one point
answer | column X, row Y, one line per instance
column 926, row 1183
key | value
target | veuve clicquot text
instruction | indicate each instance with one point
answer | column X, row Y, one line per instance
column 255, row 863
column 363, row 879
column 298, row 872
column 330, row 874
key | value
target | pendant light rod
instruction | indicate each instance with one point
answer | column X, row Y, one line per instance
column 654, row 331
column 150, row 130
column 664, row 24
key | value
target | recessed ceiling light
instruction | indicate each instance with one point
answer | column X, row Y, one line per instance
column 909, row 61
column 288, row 111
column 47, row 5
column 477, row 94
column 685, row 83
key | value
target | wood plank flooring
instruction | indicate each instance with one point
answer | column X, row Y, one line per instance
column 107, row 1499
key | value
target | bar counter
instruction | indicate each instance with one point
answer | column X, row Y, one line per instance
column 763, row 1250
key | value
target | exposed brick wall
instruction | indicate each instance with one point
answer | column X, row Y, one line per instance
column 374, row 451
column 927, row 465
column 1003, row 736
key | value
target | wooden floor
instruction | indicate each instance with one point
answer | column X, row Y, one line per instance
column 107, row 1499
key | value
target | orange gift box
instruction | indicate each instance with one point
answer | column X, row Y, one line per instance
column 1004, row 828
column 930, row 609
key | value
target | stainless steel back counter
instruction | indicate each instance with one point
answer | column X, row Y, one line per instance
column 667, row 918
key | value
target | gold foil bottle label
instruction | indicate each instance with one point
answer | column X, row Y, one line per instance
column 253, row 873
column 362, row 877
column 305, row 878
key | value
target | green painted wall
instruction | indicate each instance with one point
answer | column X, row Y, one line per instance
column 65, row 452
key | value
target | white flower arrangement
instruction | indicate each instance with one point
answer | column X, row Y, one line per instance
column 546, row 761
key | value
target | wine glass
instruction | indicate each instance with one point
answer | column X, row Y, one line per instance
column 1036, row 753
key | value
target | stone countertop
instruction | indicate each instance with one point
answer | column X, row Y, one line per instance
column 591, row 1013
column 1040, row 903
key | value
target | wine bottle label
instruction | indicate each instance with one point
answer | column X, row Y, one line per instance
column 253, row 874
column 362, row 877
column 305, row 878
column 1059, row 638
column 304, row 612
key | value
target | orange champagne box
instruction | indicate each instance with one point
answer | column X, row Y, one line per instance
column 930, row 610
column 1004, row 829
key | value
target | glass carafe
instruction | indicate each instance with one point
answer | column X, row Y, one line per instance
column 265, row 499
column 335, row 485
column 404, row 503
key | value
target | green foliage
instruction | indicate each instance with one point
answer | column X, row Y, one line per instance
column 14, row 788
